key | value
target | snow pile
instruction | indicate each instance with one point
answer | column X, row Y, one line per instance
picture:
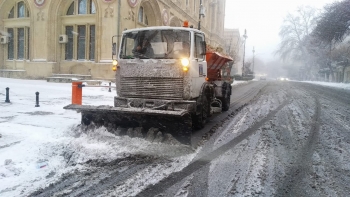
column 238, row 82
column 345, row 86
column 39, row 144
column 34, row 140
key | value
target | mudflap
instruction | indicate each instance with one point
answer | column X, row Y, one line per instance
column 179, row 125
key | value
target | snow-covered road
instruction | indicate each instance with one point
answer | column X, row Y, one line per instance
column 291, row 139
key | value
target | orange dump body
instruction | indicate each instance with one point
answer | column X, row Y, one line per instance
column 215, row 63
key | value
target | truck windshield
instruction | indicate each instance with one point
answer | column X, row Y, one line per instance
column 155, row 44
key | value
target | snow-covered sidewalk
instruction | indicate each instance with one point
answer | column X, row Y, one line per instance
column 33, row 139
column 345, row 86
column 39, row 144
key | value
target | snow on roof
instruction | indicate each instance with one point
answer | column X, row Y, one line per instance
column 162, row 28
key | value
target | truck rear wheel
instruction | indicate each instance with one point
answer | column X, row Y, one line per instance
column 200, row 120
column 226, row 103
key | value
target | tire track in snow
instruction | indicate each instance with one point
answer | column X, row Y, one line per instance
column 293, row 185
column 332, row 94
column 98, row 177
column 201, row 137
column 222, row 167
column 331, row 167
column 164, row 184
column 331, row 163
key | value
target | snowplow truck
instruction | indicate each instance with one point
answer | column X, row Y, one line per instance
column 165, row 79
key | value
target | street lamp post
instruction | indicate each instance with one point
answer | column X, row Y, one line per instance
column 201, row 14
column 245, row 38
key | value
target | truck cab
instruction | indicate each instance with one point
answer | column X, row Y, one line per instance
column 166, row 69
column 161, row 63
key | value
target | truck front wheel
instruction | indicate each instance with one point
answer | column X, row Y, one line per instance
column 200, row 120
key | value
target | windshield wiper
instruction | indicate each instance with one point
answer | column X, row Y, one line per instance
column 140, row 55
column 128, row 57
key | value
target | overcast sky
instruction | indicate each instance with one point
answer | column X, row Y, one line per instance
column 262, row 19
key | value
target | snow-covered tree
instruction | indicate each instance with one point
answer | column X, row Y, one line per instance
column 295, row 29
column 332, row 27
column 295, row 34
column 333, row 24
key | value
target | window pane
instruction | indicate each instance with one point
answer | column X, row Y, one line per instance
column 92, row 43
column 165, row 44
column 21, row 10
column 28, row 46
column 198, row 47
column 12, row 13
column 20, row 43
column 81, row 41
column 10, row 46
column 92, row 7
column 82, row 7
column 140, row 14
column 71, row 9
column 69, row 44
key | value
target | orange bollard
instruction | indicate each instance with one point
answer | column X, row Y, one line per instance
column 77, row 93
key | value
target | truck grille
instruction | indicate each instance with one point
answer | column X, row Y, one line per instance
column 152, row 88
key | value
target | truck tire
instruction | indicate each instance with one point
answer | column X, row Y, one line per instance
column 226, row 103
column 200, row 120
column 185, row 135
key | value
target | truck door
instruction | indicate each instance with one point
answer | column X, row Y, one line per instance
column 198, row 65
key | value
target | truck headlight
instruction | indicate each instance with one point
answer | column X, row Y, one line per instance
column 185, row 63
column 115, row 62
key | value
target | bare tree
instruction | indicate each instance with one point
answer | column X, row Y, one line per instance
column 295, row 29
column 247, row 68
column 295, row 34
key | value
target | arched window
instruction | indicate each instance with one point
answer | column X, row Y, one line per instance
column 81, row 36
column 18, row 32
column 12, row 13
column 142, row 16
column 71, row 9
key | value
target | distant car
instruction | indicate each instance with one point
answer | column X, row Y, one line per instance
column 262, row 78
column 283, row 79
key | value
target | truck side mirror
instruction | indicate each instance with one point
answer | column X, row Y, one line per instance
column 203, row 48
column 114, row 49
